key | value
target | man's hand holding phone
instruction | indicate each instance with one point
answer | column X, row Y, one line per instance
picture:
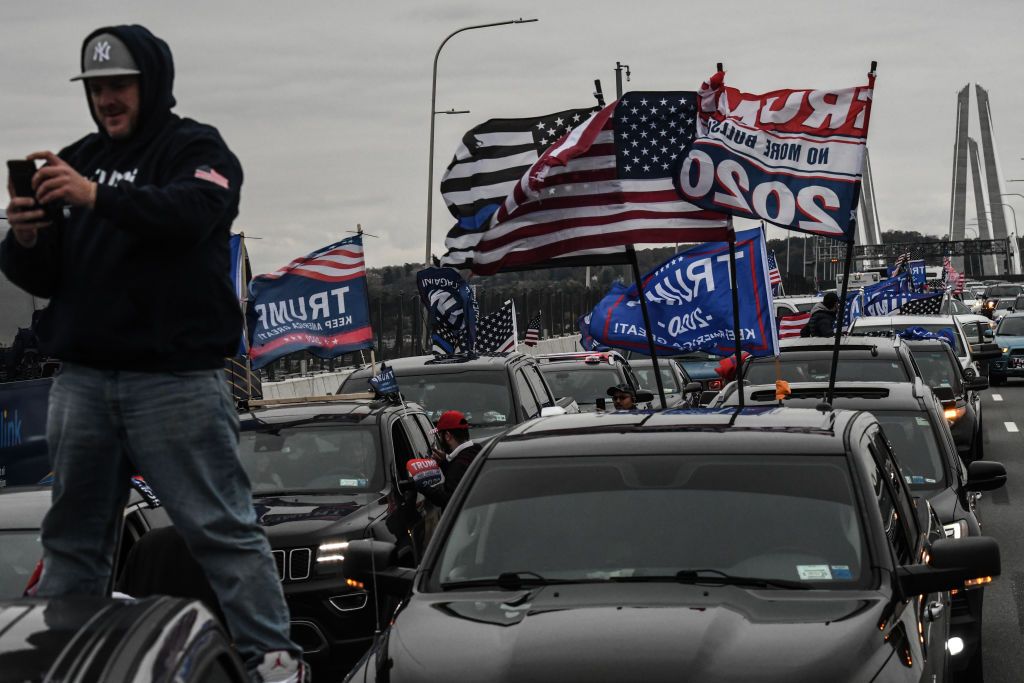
column 38, row 195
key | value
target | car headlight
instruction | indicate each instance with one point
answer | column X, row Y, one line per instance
column 1006, row 350
column 957, row 529
column 331, row 552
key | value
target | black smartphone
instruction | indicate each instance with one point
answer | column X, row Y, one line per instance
column 20, row 172
column 601, row 404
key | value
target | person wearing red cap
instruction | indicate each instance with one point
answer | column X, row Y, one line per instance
column 455, row 451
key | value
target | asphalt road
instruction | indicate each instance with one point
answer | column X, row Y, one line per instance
column 1002, row 517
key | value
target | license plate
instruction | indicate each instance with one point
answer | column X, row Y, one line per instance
column 1017, row 362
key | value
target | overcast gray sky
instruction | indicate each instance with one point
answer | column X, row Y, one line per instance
column 327, row 103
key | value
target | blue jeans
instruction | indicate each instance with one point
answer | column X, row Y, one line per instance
column 180, row 431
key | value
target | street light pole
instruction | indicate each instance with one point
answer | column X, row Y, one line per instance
column 434, row 112
column 1013, row 250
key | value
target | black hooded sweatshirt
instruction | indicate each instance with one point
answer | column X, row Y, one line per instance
column 141, row 282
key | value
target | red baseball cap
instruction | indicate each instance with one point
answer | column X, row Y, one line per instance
column 449, row 420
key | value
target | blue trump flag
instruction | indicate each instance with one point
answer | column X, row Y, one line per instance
column 690, row 303
column 384, row 382
column 917, row 272
column 239, row 280
column 886, row 296
column 316, row 303
column 452, row 309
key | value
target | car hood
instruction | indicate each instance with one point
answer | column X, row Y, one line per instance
column 1008, row 340
column 647, row 632
column 299, row 517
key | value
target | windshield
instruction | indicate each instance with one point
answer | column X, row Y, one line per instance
column 779, row 517
column 21, row 553
column 914, row 445
column 887, row 331
column 938, row 369
column 1002, row 290
column 805, row 367
column 482, row 396
column 1011, row 327
column 320, row 459
column 585, row 383
column 1005, row 304
column 645, row 375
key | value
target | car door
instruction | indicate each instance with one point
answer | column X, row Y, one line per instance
column 923, row 620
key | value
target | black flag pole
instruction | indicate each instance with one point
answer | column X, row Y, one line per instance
column 847, row 270
column 647, row 323
column 736, row 331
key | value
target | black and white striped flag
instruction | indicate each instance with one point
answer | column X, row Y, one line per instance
column 492, row 159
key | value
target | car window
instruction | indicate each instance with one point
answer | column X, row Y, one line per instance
column 958, row 307
column 426, row 426
column 483, row 396
column 1011, row 327
column 892, row 519
column 21, row 552
column 585, row 383
column 796, row 367
column 917, row 451
column 782, row 310
column 645, row 376
column 540, row 388
column 574, row 518
column 417, row 438
column 526, row 399
column 868, row 330
column 939, row 369
column 311, row 458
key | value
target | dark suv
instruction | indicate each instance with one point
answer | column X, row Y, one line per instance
column 958, row 389
column 914, row 424
column 324, row 473
column 777, row 545
column 810, row 360
column 494, row 392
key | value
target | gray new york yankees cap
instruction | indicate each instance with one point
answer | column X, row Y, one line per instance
column 107, row 55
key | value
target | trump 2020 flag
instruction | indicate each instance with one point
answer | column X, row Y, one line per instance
column 316, row 303
column 451, row 308
column 790, row 157
column 384, row 382
column 604, row 185
column 690, row 303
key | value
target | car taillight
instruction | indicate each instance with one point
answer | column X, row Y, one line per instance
column 715, row 384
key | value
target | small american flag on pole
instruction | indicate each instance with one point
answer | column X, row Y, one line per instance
column 496, row 333
column 533, row 331
column 792, row 325
column 774, row 277
column 208, row 174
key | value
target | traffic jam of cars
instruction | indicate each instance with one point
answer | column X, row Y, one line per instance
column 591, row 540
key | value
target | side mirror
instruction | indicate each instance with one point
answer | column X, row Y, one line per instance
column 643, row 396
column 368, row 560
column 552, row 411
column 976, row 383
column 985, row 475
column 989, row 333
column 953, row 564
column 692, row 388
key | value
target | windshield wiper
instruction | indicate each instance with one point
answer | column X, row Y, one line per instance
column 512, row 581
column 714, row 577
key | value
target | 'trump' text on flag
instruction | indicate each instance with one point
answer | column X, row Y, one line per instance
column 317, row 303
column 790, row 157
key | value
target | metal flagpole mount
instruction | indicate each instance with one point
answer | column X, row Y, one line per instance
column 736, row 331
column 647, row 323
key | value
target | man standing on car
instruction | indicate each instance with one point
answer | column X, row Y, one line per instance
column 142, row 312
column 457, row 451
column 822, row 322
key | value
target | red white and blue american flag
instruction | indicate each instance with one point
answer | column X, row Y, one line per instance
column 774, row 277
column 608, row 183
column 792, row 325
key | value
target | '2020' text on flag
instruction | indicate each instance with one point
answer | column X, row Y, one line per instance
column 604, row 185
column 317, row 303
column 790, row 157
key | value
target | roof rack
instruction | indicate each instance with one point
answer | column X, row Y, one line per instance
column 330, row 398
